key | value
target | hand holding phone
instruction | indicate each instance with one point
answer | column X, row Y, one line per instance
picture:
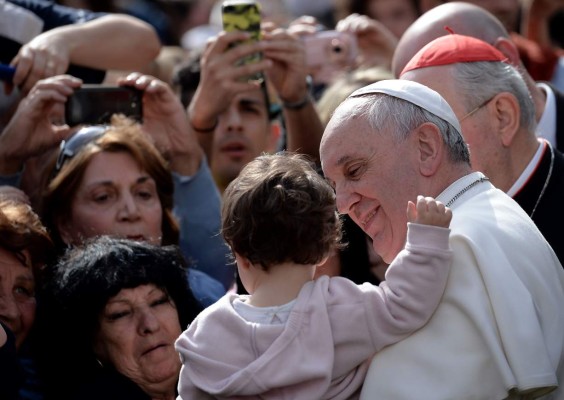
column 95, row 104
column 339, row 49
column 244, row 15
column 330, row 52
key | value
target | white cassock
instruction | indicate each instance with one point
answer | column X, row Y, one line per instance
column 499, row 330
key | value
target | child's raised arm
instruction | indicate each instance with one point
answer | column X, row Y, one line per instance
column 429, row 211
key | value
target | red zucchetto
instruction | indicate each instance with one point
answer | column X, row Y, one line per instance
column 453, row 48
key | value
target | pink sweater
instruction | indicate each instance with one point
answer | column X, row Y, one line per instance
column 323, row 350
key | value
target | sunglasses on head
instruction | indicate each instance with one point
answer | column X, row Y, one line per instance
column 72, row 146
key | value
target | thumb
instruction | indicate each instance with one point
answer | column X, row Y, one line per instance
column 411, row 212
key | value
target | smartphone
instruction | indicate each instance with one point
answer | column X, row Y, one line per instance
column 7, row 73
column 337, row 49
column 95, row 104
column 244, row 15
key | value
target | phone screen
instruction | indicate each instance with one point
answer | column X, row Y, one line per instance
column 244, row 15
column 94, row 104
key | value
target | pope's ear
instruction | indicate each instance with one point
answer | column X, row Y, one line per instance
column 430, row 147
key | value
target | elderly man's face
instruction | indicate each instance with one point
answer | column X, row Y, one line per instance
column 138, row 328
column 372, row 175
column 478, row 129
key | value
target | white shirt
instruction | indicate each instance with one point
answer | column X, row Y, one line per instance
column 546, row 127
column 526, row 174
column 263, row 315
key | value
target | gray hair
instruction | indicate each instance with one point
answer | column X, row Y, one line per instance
column 480, row 81
column 401, row 117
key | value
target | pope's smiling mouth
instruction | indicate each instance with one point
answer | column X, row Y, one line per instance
column 369, row 218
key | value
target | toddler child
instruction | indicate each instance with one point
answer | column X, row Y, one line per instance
column 296, row 337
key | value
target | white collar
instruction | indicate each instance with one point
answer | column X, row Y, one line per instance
column 529, row 170
column 546, row 127
column 456, row 187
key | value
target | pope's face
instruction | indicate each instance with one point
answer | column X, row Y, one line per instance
column 372, row 177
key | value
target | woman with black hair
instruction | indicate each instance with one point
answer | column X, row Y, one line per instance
column 111, row 311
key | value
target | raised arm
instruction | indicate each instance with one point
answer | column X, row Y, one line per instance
column 376, row 43
column 288, row 76
column 416, row 278
column 31, row 131
column 221, row 80
column 113, row 41
column 164, row 119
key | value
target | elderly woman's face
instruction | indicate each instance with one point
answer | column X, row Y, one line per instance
column 138, row 328
column 116, row 197
column 17, row 294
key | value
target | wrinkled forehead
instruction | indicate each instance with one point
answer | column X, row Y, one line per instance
column 15, row 261
column 345, row 130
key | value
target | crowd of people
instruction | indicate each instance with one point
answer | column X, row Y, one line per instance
column 378, row 223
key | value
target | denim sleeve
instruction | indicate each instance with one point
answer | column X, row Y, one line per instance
column 197, row 208
column 205, row 289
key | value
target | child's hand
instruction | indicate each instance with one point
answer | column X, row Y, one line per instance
column 429, row 211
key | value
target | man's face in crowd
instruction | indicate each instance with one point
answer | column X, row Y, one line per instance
column 243, row 133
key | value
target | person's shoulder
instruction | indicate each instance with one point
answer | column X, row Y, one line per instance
column 334, row 289
column 483, row 206
column 217, row 312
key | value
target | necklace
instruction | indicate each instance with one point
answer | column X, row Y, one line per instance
column 547, row 178
column 464, row 190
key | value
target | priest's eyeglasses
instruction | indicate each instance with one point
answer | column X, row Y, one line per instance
column 483, row 104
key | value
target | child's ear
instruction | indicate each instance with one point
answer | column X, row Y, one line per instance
column 242, row 262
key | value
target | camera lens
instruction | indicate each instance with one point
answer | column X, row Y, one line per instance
column 336, row 46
